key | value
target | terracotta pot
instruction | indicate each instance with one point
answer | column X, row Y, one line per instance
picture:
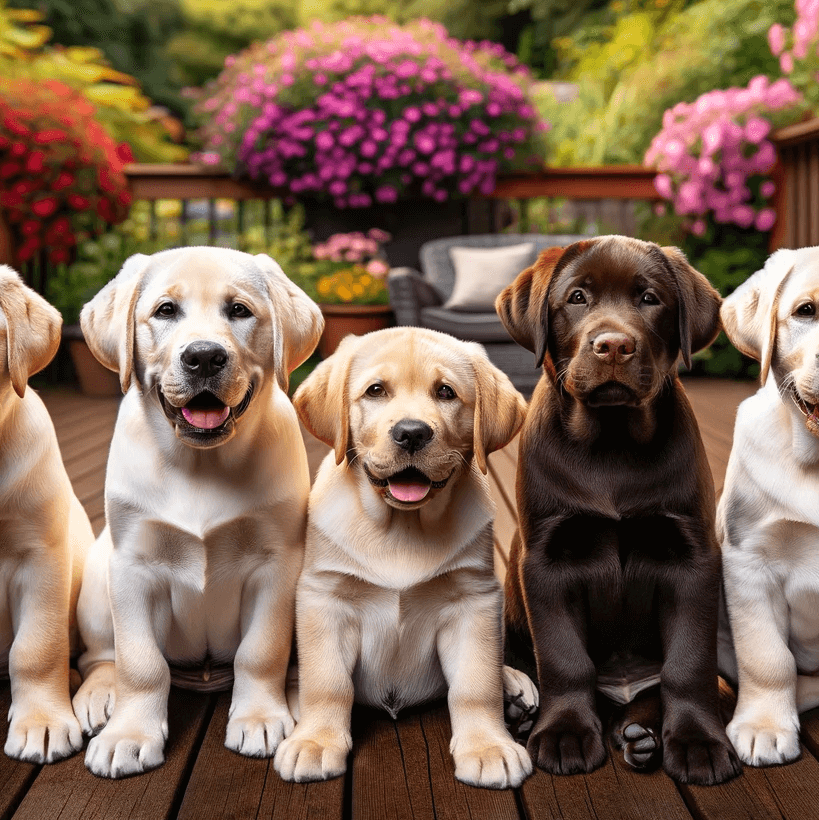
column 94, row 379
column 342, row 320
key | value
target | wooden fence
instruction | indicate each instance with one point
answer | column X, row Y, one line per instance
column 797, row 178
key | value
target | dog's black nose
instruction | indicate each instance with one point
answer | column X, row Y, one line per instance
column 204, row 358
column 412, row 434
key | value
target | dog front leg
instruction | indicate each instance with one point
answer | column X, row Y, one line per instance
column 470, row 651
column 765, row 726
column 42, row 727
column 328, row 635
column 259, row 716
column 695, row 747
column 133, row 740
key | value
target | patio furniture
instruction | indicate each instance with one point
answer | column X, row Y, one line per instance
column 420, row 298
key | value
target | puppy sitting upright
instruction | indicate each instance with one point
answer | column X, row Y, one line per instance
column 768, row 516
column 205, row 499
column 44, row 536
column 398, row 601
column 616, row 566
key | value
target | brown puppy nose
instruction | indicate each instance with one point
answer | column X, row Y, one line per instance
column 614, row 348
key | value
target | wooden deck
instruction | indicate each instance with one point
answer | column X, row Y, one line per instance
column 398, row 769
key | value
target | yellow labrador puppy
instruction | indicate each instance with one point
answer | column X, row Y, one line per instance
column 44, row 536
column 768, row 516
column 205, row 497
column 398, row 602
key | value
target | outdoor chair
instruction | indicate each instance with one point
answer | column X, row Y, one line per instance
column 463, row 304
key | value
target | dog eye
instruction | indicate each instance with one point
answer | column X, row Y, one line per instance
column 239, row 311
column 375, row 391
column 650, row 298
column 445, row 392
column 166, row 310
column 577, row 297
column 808, row 309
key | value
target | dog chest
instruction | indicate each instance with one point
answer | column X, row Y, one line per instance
column 398, row 664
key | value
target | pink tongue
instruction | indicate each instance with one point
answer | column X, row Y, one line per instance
column 205, row 419
column 408, row 492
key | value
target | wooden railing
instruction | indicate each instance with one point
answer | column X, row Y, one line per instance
column 797, row 180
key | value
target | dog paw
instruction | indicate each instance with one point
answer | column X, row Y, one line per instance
column 94, row 702
column 520, row 701
column 765, row 742
column 119, row 752
column 39, row 737
column 258, row 734
column 307, row 756
column 699, row 757
column 641, row 747
column 498, row 764
column 568, row 745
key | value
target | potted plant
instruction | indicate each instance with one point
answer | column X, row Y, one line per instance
column 350, row 286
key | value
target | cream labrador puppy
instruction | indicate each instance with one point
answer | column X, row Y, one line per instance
column 44, row 536
column 768, row 517
column 398, row 602
column 205, row 499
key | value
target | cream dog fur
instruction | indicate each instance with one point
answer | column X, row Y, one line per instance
column 44, row 536
column 398, row 601
column 768, row 517
column 205, row 495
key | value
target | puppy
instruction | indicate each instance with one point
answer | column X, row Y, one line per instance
column 768, row 520
column 205, row 499
column 44, row 537
column 616, row 566
column 398, row 602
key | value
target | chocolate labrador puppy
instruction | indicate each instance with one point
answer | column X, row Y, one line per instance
column 614, row 574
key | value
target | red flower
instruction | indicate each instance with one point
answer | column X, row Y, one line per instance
column 125, row 153
column 30, row 227
column 10, row 169
column 8, row 199
column 45, row 207
column 79, row 203
column 19, row 149
column 63, row 181
column 50, row 135
column 16, row 128
column 34, row 163
column 59, row 255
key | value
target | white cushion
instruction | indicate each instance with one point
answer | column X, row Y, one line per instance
column 482, row 273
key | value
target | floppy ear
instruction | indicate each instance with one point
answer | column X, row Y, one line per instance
column 523, row 306
column 699, row 305
column 499, row 409
column 323, row 402
column 108, row 321
column 297, row 317
column 32, row 329
column 749, row 314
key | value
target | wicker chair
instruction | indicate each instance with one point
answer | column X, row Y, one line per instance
column 418, row 297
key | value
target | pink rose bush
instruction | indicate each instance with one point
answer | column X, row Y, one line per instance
column 798, row 49
column 714, row 155
column 366, row 111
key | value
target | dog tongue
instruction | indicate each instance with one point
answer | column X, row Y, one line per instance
column 205, row 419
column 408, row 491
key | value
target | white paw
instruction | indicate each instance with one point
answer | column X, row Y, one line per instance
column 94, row 702
column 764, row 742
column 37, row 736
column 500, row 764
column 519, row 691
column 121, row 751
column 313, row 756
column 258, row 734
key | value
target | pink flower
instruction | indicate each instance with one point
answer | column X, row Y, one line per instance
column 765, row 219
column 698, row 227
column 756, row 129
column 767, row 189
column 776, row 39
column 786, row 63
column 662, row 182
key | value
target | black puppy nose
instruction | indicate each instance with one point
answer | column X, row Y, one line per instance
column 204, row 358
column 411, row 434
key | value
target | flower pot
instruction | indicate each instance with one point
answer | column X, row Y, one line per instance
column 342, row 320
column 94, row 379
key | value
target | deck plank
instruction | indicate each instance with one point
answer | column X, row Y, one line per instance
column 225, row 784
column 69, row 791
column 15, row 777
